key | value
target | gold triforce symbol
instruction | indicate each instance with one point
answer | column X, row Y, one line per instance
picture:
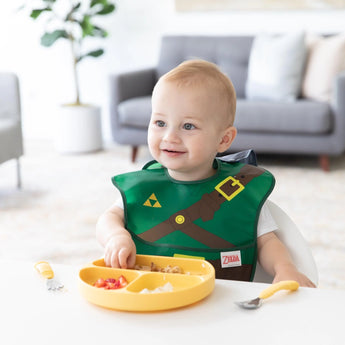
column 152, row 201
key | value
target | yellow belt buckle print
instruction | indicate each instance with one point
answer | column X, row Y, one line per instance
column 234, row 183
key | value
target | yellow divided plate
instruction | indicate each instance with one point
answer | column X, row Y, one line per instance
column 194, row 283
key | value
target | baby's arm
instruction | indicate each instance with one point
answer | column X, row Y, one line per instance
column 276, row 260
column 119, row 247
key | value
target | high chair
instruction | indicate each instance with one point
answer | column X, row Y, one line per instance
column 289, row 234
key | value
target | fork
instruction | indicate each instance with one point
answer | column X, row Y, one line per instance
column 45, row 270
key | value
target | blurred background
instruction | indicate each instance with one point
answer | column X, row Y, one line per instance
column 135, row 29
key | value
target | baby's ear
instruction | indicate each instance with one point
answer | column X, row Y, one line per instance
column 228, row 137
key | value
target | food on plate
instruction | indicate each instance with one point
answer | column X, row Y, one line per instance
column 165, row 288
column 111, row 283
column 155, row 268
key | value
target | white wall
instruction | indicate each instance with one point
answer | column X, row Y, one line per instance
column 135, row 30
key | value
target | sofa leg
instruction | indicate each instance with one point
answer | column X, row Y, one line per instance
column 324, row 163
column 134, row 153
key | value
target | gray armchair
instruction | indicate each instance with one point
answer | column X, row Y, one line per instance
column 11, row 140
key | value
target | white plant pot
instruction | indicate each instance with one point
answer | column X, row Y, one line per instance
column 78, row 129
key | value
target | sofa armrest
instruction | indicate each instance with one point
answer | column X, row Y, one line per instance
column 124, row 86
column 11, row 138
column 10, row 96
column 338, row 105
column 131, row 84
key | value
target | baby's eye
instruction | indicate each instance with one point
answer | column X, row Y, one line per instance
column 188, row 126
column 160, row 123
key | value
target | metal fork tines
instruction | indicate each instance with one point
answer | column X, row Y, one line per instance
column 53, row 284
column 46, row 272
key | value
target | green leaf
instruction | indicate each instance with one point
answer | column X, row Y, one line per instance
column 86, row 26
column 106, row 9
column 98, row 2
column 94, row 53
column 94, row 3
column 99, row 32
column 35, row 13
column 49, row 38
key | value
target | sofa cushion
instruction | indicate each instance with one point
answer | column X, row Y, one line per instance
column 302, row 116
column 326, row 59
column 135, row 112
column 275, row 67
column 231, row 54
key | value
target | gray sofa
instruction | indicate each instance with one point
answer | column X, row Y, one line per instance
column 301, row 127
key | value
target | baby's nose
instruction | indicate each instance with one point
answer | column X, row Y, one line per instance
column 171, row 135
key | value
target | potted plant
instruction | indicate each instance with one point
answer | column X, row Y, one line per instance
column 78, row 124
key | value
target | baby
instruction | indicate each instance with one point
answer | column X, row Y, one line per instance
column 187, row 202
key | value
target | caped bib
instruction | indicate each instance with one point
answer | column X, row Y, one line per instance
column 214, row 219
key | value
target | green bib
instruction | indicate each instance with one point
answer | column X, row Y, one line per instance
column 214, row 219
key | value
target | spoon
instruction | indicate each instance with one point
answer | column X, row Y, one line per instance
column 268, row 292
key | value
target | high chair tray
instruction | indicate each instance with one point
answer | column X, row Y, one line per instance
column 195, row 282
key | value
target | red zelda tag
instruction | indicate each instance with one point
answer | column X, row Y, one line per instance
column 231, row 259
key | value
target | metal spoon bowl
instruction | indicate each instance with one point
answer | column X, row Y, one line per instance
column 268, row 292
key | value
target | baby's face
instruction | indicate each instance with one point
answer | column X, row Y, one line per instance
column 185, row 130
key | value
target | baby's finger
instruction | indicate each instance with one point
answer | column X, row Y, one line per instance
column 107, row 259
column 123, row 256
column 131, row 260
column 115, row 260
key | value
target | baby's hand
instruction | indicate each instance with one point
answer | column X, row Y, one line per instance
column 120, row 251
column 288, row 272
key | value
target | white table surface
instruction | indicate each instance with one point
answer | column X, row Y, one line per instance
column 30, row 314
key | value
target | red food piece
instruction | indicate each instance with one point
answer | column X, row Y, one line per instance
column 110, row 286
column 123, row 281
column 111, row 283
column 100, row 283
column 110, row 280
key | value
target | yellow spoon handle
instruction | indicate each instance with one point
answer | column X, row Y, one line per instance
column 44, row 269
column 283, row 285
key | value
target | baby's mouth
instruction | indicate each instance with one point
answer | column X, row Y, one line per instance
column 166, row 150
column 172, row 152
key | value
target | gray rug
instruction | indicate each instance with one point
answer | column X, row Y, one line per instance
column 53, row 217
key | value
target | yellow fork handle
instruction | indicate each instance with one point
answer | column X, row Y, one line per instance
column 44, row 269
column 283, row 285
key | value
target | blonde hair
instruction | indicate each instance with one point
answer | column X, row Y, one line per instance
column 203, row 73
